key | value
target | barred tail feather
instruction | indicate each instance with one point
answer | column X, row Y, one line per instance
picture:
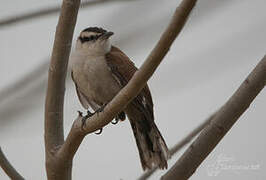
column 152, row 148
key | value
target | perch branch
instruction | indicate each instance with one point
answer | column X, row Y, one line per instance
column 220, row 125
column 8, row 168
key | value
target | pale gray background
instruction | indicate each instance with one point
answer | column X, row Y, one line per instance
column 221, row 43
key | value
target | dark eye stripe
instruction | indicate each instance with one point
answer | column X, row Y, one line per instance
column 84, row 39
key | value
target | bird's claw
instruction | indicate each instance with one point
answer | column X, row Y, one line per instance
column 80, row 113
column 84, row 118
column 89, row 114
column 83, row 121
column 100, row 131
column 101, row 109
column 115, row 121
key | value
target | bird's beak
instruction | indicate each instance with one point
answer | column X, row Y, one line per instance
column 107, row 35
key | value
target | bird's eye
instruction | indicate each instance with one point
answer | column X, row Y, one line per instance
column 90, row 38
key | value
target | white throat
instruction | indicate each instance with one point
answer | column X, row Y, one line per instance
column 97, row 48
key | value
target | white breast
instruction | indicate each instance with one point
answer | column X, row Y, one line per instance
column 93, row 77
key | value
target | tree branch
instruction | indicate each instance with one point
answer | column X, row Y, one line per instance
column 180, row 145
column 220, row 125
column 8, row 168
column 134, row 86
column 45, row 12
column 54, row 136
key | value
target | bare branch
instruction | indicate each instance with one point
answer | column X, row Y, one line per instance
column 46, row 12
column 134, row 86
column 220, row 125
column 54, row 136
column 8, row 168
column 180, row 145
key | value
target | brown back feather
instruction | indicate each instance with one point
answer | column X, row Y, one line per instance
column 151, row 145
column 123, row 70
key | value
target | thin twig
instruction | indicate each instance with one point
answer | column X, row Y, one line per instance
column 220, row 125
column 46, row 12
column 8, row 168
column 180, row 145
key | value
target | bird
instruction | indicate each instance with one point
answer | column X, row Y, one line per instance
column 99, row 71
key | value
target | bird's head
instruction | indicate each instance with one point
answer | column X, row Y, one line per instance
column 94, row 41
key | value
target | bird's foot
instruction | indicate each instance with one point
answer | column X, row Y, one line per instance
column 101, row 109
column 89, row 114
column 100, row 131
column 115, row 121
column 120, row 117
column 80, row 113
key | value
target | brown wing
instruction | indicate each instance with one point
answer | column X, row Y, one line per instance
column 123, row 69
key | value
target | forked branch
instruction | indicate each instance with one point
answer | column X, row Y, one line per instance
column 59, row 154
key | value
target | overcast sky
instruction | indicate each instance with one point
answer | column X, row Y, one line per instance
column 220, row 45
